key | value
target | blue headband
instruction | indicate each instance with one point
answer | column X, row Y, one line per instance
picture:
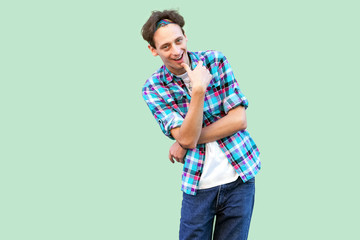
column 162, row 23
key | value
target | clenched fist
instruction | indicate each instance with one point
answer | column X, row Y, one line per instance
column 200, row 77
column 177, row 152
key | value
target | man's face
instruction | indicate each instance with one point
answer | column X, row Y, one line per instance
column 170, row 45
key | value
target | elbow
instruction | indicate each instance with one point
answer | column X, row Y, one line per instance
column 242, row 124
column 238, row 117
column 185, row 141
column 187, row 144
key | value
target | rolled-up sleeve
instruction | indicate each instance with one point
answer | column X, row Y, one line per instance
column 164, row 114
column 233, row 97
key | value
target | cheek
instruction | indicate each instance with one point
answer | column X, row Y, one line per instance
column 163, row 54
column 163, row 57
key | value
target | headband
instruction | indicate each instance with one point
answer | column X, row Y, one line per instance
column 162, row 22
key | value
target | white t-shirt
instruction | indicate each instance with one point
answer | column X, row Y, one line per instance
column 217, row 169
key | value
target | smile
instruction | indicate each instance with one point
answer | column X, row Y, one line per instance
column 179, row 58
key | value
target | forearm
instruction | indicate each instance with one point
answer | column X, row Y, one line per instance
column 189, row 132
column 233, row 122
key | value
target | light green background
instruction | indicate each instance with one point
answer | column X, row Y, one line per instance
column 81, row 154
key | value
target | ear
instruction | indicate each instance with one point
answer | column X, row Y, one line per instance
column 152, row 50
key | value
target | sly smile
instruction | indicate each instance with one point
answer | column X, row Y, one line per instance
column 179, row 59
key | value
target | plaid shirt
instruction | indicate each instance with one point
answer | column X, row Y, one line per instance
column 168, row 99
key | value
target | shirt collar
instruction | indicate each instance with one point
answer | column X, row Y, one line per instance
column 169, row 76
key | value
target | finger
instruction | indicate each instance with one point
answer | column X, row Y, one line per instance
column 187, row 68
column 200, row 63
column 180, row 160
column 170, row 158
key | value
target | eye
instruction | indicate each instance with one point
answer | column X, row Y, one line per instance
column 179, row 40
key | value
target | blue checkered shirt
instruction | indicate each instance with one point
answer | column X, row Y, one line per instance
column 168, row 100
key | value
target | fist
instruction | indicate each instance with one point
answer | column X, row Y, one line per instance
column 177, row 152
column 200, row 77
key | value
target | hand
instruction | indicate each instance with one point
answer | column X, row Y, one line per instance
column 200, row 77
column 177, row 152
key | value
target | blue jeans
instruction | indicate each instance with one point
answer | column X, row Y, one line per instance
column 231, row 203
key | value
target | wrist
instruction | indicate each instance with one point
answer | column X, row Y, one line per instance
column 198, row 90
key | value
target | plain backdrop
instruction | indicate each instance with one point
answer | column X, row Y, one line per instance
column 81, row 156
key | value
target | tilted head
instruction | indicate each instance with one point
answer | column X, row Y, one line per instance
column 151, row 25
column 166, row 37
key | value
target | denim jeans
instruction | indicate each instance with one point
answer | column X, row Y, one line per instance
column 231, row 203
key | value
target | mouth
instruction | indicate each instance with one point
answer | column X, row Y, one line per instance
column 179, row 59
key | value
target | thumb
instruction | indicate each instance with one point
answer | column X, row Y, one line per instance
column 187, row 68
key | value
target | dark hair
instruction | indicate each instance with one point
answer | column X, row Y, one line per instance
column 149, row 27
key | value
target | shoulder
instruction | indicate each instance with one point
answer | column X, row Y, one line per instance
column 210, row 56
column 154, row 81
column 214, row 60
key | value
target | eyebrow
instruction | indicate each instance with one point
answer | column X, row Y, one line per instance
column 164, row 45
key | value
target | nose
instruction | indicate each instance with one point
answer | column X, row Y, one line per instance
column 176, row 50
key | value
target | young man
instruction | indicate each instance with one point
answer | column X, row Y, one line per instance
column 196, row 100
